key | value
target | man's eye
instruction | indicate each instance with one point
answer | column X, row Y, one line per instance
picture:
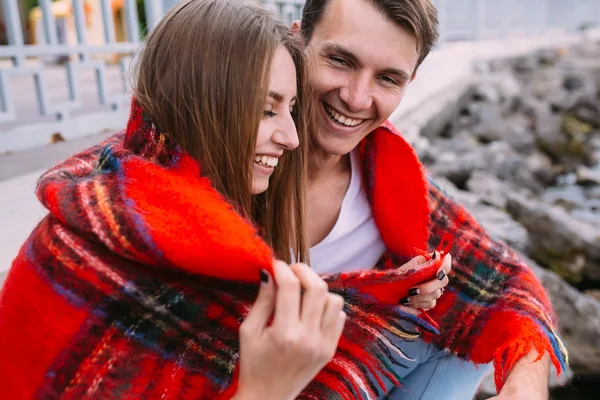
column 269, row 113
column 338, row 60
column 390, row 80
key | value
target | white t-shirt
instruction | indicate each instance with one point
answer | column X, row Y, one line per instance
column 354, row 242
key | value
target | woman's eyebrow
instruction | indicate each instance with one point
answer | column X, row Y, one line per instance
column 276, row 96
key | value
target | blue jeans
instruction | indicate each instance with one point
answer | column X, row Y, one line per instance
column 435, row 375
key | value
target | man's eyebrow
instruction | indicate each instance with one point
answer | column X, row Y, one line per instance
column 342, row 51
column 403, row 75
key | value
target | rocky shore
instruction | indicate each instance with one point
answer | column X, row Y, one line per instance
column 522, row 154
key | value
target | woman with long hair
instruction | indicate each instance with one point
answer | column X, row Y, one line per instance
column 161, row 270
column 153, row 233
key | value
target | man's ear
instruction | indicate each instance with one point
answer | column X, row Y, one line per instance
column 414, row 75
column 296, row 28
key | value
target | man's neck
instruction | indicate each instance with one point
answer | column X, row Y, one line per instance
column 323, row 165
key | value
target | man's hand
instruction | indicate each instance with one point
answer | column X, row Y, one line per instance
column 528, row 380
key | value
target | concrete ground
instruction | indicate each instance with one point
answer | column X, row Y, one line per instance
column 442, row 75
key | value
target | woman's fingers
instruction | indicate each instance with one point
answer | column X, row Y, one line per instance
column 287, row 304
column 333, row 306
column 314, row 297
column 263, row 307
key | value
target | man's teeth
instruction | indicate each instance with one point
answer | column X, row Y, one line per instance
column 342, row 119
column 266, row 160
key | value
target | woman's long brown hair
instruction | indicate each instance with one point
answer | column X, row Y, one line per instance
column 202, row 76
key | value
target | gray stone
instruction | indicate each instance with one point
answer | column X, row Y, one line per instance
column 542, row 168
column 562, row 100
column 489, row 188
column 508, row 165
column 594, row 192
column 545, row 81
column 489, row 124
column 486, row 92
column 579, row 320
column 588, row 176
column 526, row 64
column 548, row 57
column 566, row 245
column 588, row 111
column 458, row 169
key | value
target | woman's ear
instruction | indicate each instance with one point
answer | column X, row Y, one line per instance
column 296, row 28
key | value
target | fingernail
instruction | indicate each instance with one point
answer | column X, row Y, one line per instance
column 434, row 255
column 441, row 275
column 264, row 277
column 404, row 301
column 414, row 292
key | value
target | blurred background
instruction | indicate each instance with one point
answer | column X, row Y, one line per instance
column 505, row 113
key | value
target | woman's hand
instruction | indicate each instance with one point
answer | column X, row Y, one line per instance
column 279, row 360
column 425, row 295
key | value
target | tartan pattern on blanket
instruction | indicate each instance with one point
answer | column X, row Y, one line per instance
column 128, row 290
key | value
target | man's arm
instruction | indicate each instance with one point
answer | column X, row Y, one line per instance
column 528, row 380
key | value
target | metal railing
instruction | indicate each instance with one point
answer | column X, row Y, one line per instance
column 87, row 90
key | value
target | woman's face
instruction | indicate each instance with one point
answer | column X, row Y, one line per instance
column 277, row 131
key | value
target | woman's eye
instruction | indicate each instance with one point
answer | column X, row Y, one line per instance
column 268, row 112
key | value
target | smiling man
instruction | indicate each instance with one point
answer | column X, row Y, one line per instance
column 372, row 206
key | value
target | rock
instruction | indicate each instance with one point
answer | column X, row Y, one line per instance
column 497, row 222
column 510, row 166
column 588, row 176
column 544, row 82
column 595, row 293
column 489, row 188
column 501, row 225
column 579, row 320
column 519, row 135
column 569, row 197
column 568, row 148
column 485, row 92
column 542, row 168
column 579, row 80
column 587, row 111
column 548, row 57
column 458, row 170
column 573, row 82
column 593, row 192
column 526, row 64
column 575, row 128
column 546, row 125
column 562, row 100
column 490, row 125
column 508, row 86
column 564, row 244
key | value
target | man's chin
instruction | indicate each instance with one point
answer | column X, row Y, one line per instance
column 335, row 146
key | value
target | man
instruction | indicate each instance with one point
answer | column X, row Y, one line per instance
column 364, row 55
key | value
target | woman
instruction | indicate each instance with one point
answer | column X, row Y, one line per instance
column 136, row 283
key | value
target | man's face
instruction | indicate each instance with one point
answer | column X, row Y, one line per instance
column 361, row 63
